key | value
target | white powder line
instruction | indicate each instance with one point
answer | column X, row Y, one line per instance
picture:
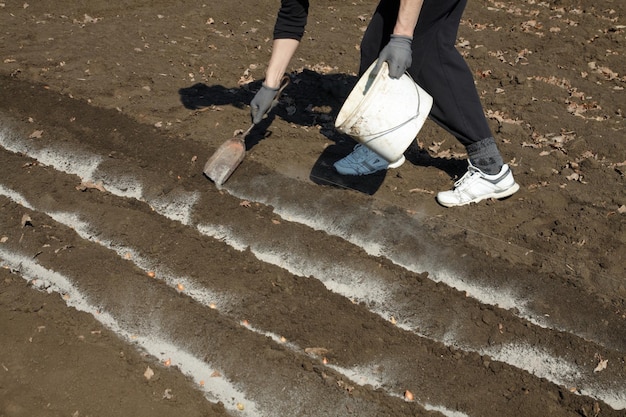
column 65, row 160
column 15, row 197
column 180, row 207
column 558, row 371
column 541, row 365
column 446, row 412
column 177, row 206
column 354, row 285
column 172, row 209
column 154, row 345
column 281, row 340
column 500, row 297
column 223, row 234
column 535, row 361
column 177, row 282
column 505, row 299
column 362, row 376
column 88, row 232
column 218, row 388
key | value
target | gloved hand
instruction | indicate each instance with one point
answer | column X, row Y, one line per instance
column 262, row 102
column 397, row 54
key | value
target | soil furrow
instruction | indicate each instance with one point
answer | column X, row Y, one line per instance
column 311, row 293
column 146, row 309
column 168, row 249
column 407, row 239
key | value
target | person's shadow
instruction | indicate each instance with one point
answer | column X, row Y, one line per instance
column 311, row 99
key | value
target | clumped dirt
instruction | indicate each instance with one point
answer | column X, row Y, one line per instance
column 152, row 88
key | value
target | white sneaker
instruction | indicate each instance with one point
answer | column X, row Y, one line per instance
column 364, row 161
column 476, row 186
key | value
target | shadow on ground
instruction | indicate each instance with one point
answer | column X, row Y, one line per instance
column 322, row 95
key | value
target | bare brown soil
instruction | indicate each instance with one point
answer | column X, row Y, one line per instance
column 361, row 277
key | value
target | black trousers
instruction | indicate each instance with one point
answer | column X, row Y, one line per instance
column 437, row 66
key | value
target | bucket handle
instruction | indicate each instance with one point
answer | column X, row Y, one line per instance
column 373, row 136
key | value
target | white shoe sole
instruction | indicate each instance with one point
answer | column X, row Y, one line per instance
column 499, row 195
column 350, row 172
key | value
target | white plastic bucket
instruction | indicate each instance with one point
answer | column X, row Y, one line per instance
column 384, row 114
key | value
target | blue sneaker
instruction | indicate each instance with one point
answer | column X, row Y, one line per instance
column 364, row 161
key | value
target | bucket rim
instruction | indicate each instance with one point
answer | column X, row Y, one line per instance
column 367, row 97
column 351, row 118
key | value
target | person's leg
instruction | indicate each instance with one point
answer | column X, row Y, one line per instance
column 441, row 70
column 378, row 32
column 362, row 160
column 437, row 65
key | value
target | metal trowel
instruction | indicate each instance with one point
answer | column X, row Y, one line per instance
column 229, row 155
column 227, row 158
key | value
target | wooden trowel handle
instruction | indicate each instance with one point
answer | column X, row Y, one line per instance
column 284, row 82
column 245, row 133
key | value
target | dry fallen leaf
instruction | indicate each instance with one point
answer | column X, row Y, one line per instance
column 148, row 374
column 318, row 351
column 344, row 385
column 246, row 78
column 26, row 220
column 37, row 134
column 87, row 185
column 421, row 190
column 601, row 365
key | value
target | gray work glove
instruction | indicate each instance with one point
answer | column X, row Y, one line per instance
column 397, row 54
column 262, row 103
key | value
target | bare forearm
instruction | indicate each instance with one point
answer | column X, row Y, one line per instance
column 282, row 52
column 407, row 17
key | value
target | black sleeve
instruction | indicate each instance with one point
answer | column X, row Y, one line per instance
column 291, row 19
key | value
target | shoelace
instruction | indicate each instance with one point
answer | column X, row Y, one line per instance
column 359, row 152
column 359, row 149
column 466, row 178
